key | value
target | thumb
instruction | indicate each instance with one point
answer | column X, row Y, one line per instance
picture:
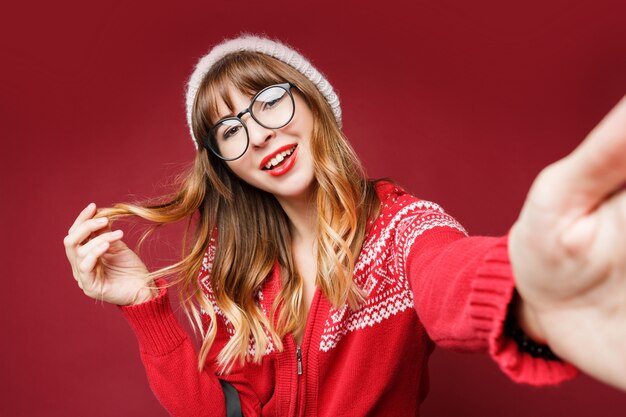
column 597, row 167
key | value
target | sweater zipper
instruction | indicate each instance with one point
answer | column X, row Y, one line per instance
column 299, row 359
column 299, row 379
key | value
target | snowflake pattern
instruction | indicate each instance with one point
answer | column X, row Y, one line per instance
column 380, row 267
column 379, row 270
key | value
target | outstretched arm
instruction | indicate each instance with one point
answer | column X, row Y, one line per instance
column 568, row 252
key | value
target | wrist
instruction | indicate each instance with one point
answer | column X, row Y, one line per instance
column 523, row 327
column 527, row 320
column 144, row 294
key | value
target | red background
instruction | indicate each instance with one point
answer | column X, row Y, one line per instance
column 461, row 102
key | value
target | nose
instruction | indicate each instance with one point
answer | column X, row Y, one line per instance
column 257, row 134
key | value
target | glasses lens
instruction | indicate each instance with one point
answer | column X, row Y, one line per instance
column 229, row 139
column 273, row 107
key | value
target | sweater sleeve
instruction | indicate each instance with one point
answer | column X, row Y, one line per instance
column 170, row 360
column 462, row 289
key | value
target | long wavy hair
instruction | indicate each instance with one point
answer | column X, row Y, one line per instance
column 251, row 229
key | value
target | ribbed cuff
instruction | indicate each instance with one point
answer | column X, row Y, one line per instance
column 492, row 292
column 157, row 329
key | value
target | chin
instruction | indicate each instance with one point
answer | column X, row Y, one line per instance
column 296, row 187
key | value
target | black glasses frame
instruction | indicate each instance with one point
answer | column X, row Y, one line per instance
column 207, row 140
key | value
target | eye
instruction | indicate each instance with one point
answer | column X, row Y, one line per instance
column 270, row 98
column 231, row 131
column 227, row 129
column 272, row 103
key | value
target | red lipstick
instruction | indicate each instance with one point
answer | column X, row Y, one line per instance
column 269, row 157
column 282, row 169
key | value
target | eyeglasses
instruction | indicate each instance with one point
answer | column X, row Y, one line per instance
column 273, row 108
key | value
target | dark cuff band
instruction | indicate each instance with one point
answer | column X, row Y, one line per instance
column 525, row 343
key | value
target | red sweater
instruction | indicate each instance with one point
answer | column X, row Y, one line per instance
column 428, row 283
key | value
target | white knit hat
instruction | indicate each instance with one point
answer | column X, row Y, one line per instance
column 266, row 46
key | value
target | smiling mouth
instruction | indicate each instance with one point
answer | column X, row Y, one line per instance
column 279, row 159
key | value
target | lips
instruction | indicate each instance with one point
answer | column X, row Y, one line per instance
column 285, row 166
column 276, row 156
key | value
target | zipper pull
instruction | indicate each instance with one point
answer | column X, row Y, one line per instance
column 299, row 359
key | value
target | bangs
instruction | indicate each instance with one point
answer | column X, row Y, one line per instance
column 245, row 72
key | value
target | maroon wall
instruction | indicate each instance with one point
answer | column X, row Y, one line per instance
column 461, row 102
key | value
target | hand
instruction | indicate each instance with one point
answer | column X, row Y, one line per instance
column 121, row 275
column 568, row 252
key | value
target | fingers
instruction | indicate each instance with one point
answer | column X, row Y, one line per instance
column 87, row 213
column 597, row 168
column 108, row 237
column 83, row 258
column 87, row 264
column 82, row 231
column 86, row 259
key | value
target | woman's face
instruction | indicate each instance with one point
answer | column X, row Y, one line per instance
column 292, row 178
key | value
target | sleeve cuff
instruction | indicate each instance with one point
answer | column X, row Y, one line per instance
column 492, row 292
column 154, row 324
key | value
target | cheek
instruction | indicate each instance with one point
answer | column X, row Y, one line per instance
column 245, row 170
column 302, row 129
column 238, row 167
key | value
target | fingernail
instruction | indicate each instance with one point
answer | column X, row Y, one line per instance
column 102, row 220
column 117, row 233
column 90, row 205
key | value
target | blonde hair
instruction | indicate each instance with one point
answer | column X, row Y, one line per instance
column 252, row 229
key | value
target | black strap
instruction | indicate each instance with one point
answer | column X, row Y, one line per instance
column 233, row 406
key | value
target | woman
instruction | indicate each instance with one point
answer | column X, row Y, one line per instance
column 319, row 292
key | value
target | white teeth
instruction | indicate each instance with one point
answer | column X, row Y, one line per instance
column 279, row 158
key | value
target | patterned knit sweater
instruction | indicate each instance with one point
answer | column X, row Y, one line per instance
column 427, row 283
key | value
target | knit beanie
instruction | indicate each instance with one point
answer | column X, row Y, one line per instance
column 266, row 46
